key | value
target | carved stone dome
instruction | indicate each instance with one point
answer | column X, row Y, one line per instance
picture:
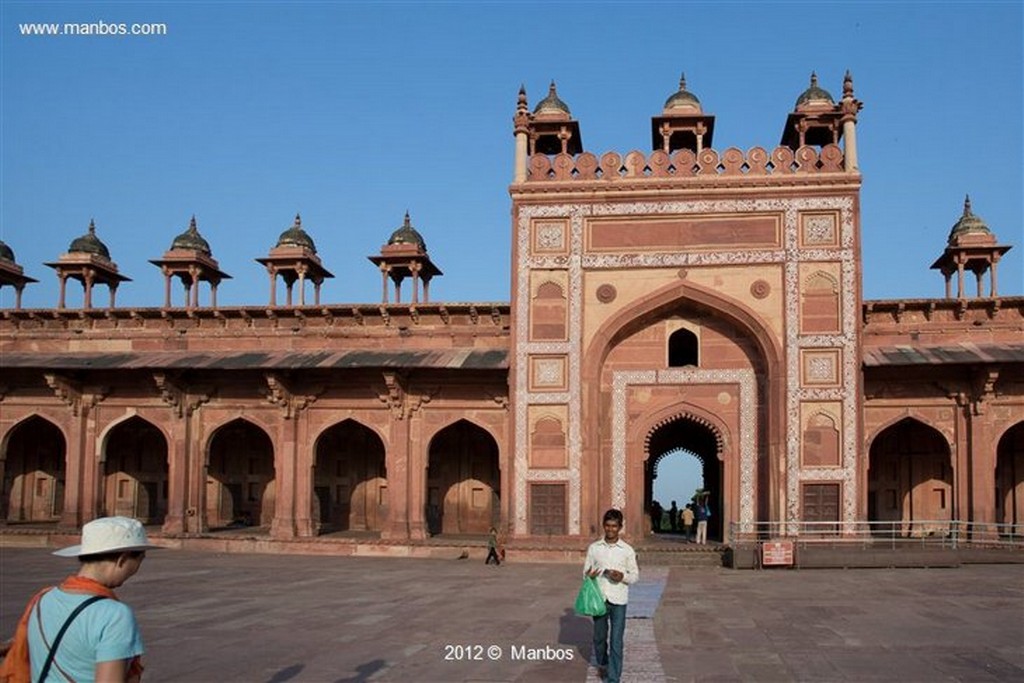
column 89, row 243
column 552, row 104
column 683, row 99
column 191, row 240
column 295, row 236
column 814, row 94
column 6, row 252
column 406, row 234
column 969, row 224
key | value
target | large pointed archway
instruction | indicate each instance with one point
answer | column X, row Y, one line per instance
column 686, row 432
column 463, row 481
column 350, row 483
column 136, row 471
column 34, row 472
column 910, row 480
column 240, row 481
column 1010, row 481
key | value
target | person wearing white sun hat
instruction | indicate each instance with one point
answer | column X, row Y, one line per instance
column 79, row 630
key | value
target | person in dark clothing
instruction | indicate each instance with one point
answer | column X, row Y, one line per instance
column 492, row 547
column 656, row 512
column 673, row 517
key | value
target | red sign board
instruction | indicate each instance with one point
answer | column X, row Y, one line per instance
column 777, row 554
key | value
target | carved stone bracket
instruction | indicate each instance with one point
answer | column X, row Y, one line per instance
column 424, row 397
column 500, row 399
column 394, row 394
column 182, row 399
column 73, row 394
column 291, row 402
column 983, row 388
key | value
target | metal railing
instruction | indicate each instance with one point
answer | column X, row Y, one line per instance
column 875, row 533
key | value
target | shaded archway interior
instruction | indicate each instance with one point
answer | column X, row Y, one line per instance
column 34, row 472
column 1010, row 480
column 910, row 479
column 350, row 485
column 240, row 483
column 136, row 472
column 684, row 433
column 463, row 481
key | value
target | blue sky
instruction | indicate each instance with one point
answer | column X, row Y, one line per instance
column 247, row 112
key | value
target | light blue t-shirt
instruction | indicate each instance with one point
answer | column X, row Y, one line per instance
column 104, row 631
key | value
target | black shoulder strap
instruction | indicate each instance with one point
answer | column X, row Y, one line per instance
column 60, row 634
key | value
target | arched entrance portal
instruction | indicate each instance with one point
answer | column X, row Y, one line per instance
column 463, row 481
column 910, row 480
column 135, row 481
column 33, row 483
column 1010, row 481
column 692, row 435
column 240, row 485
column 350, row 484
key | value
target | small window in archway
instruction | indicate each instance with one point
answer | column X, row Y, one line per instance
column 682, row 349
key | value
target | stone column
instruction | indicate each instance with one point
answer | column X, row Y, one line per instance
column 285, row 454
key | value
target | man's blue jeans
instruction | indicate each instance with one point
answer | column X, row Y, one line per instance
column 607, row 653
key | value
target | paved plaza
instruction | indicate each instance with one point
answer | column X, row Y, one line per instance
column 276, row 618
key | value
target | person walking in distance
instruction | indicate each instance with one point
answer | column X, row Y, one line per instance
column 492, row 547
column 703, row 512
column 687, row 515
column 612, row 562
column 79, row 630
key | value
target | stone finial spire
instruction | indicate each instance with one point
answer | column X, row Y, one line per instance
column 521, row 104
column 967, row 205
column 814, row 79
column 682, row 81
column 192, row 228
column 92, row 227
column 847, row 85
column 298, row 220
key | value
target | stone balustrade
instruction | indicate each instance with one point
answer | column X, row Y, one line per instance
column 685, row 164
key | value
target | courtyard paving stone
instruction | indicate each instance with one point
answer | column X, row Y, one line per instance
column 218, row 618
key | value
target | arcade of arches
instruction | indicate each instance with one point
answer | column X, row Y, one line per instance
column 685, row 298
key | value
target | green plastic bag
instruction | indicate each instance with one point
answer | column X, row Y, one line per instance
column 589, row 601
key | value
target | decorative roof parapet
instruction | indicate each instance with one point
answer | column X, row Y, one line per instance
column 685, row 164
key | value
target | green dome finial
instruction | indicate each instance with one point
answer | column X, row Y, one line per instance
column 89, row 243
column 191, row 240
column 969, row 224
column 814, row 94
column 552, row 104
column 295, row 236
column 406, row 234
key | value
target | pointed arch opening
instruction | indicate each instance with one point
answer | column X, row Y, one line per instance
column 1010, row 481
column 463, row 481
column 910, row 480
column 689, row 434
column 240, row 478
column 135, row 472
column 34, row 472
column 350, row 484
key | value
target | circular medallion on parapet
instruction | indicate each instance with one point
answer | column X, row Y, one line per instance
column 606, row 293
column 682, row 273
column 760, row 289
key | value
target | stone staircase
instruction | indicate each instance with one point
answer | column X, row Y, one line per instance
column 689, row 556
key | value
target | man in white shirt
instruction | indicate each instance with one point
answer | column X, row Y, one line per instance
column 612, row 562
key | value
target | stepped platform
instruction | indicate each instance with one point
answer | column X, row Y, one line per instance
column 661, row 550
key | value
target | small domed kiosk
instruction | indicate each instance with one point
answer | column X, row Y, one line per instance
column 88, row 261
column 405, row 255
column 294, row 258
column 12, row 274
column 682, row 124
column 190, row 260
column 970, row 246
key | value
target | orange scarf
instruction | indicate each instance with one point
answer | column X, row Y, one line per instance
column 17, row 667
